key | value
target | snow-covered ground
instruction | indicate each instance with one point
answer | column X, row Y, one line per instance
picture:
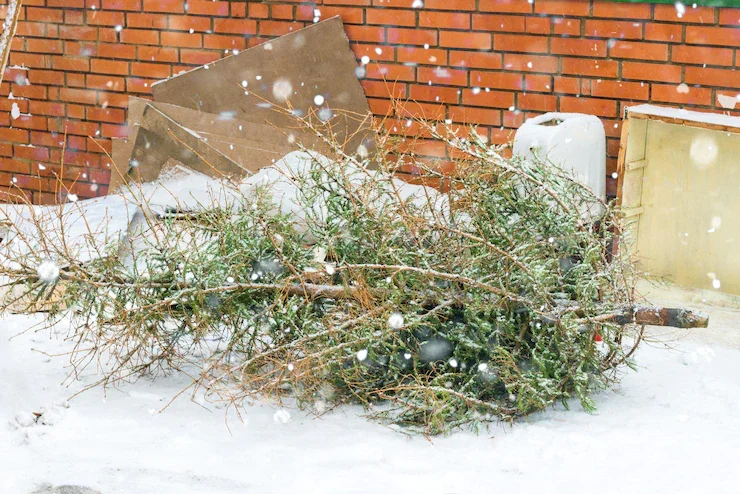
column 674, row 426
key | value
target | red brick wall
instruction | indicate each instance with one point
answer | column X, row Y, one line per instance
column 76, row 61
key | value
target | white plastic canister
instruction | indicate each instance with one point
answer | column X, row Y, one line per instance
column 573, row 141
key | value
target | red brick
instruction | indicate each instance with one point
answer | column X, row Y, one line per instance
column 507, row 6
column 52, row 109
column 477, row 116
column 447, row 20
column 30, row 60
column 699, row 15
column 537, row 102
column 134, row 5
column 105, row 82
column 713, row 77
column 373, row 34
column 497, row 80
column 139, row 85
column 117, row 51
column 587, row 67
column 380, row 107
column 469, row 40
column 412, row 36
column 224, row 42
column 390, row 72
column 182, row 40
column 571, row 27
column 651, row 72
column 30, row 153
column 109, row 66
column 489, row 99
column 76, row 111
column 278, row 28
column 578, row 47
column 108, row 130
column 284, row 12
column 530, row 63
column 48, row 77
column 52, row 16
column 146, row 21
column 446, row 4
column 349, row 15
column 105, row 18
column 434, row 93
column 188, row 22
column 14, row 135
column 31, row 122
column 620, row 90
column 603, row 8
column 677, row 94
column 208, row 7
column 702, row 35
column 236, row 26
column 614, row 29
column 36, row 29
column 670, row 33
column 561, row 7
column 151, row 70
column 599, row 107
column 71, row 63
column 157, row 54
column 193, row 57
column 442, row 75
column 700, row 55
column 538, row 25
column 381, row 89
column 520, row 43
column 29, row 91
column 106, row 115
column 375, row 52
column 475, row 59
column 502, row 23
column 170, row 6
column 140, row 36
column 729, row 17
column 423, row 56
column 387, row 17
column 538, row 83
column 78, row 33
column 638, row 50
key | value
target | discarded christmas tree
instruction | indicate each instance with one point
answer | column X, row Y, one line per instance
column 329, row 283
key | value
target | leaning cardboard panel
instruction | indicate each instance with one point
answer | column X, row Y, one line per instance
column 156, row 126
column 680, row 190
column 312, row 65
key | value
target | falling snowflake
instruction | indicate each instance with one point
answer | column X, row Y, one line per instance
column 48, row 272
column 395, row 320
column 281, row 416
column 15, row 112
column 318, row 100
column 362, row 355
column 282, row 89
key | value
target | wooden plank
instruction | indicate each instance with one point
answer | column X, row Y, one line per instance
column 627, row 213
column 634, row 165
column 620, row 159
column 683, row 121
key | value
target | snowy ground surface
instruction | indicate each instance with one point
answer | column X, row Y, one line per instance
column 674, row 426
